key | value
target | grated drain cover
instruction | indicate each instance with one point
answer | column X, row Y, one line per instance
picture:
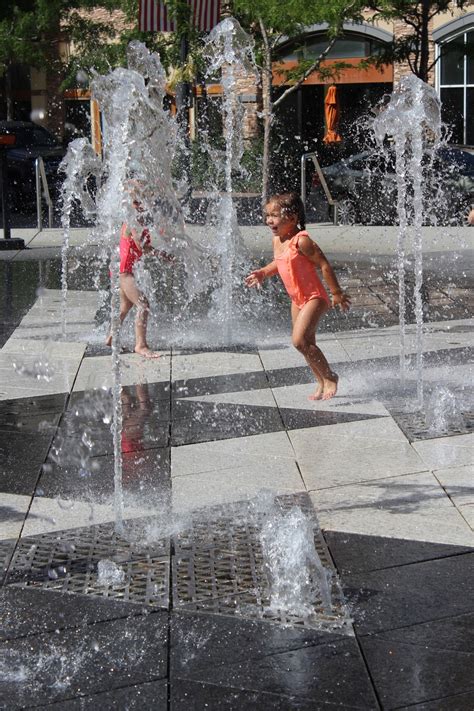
column 67, row 561
column 415, row 427
column 216, row 565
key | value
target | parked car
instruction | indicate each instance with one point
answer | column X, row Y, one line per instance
column 365, row 186
column 31, row 142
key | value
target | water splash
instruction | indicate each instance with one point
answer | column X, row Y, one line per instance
column 443, row 412
column 109, row 574
column 229, row 50
column 412, row 120
column 297, row 577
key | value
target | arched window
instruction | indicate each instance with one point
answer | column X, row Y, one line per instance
column 455, row 78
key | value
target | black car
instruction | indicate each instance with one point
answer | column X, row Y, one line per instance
column 365, row 187
column 31, row 142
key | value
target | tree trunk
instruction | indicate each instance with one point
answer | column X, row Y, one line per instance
column 267, row 113
column 8, row 91
column 424, row 41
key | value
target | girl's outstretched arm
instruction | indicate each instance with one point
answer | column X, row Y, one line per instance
column 311, row 250
column 256, row 277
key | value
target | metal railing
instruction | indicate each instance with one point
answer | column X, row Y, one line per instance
column 313, row 157
column 42, row 190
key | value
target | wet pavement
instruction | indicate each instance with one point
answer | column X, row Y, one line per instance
column 211, row 434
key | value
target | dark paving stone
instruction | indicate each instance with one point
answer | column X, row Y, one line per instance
column 142, row 471
column 96, row 658
column 234, row 382
column 204, row 422
column 198, row 696
column 152, row 695
column 294, row 419
column 356, row 553
column 6, row 548
column 33, row 406
column 273, row 659
column 22, row 456
column 201, row 641
column 421, row 668
column 411, row 594
column 24, row 423
column 30, row 611
column 457, row 702
column 155, row 392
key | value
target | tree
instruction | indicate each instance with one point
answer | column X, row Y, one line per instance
column 414, row 47
column 31, row 32
column 270, row 21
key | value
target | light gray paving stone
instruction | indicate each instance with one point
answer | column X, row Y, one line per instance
column 408, row 507
column 334, row 464
column 296, row 397
column 13, row 510
column 288, row 356
column 208, row 364
column 258, row 451
column 458, row 483
column 367, row 433
column 96, row 372
column 467, row 512
column 233, row 484
column 47, row 515
column 446, row 452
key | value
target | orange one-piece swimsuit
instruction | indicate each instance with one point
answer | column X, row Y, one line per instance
column 298, row 274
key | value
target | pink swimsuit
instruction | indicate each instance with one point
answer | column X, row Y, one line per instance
column 298, row 274
column 129, row 252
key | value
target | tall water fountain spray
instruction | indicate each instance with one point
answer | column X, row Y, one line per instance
column 412, row 120
column 229, row 50
column 139, row 145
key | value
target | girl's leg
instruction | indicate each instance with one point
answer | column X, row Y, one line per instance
column 125, row 306
column 133, row 294
column 305, row 323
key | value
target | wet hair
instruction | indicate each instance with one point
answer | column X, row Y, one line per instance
column 291, row 204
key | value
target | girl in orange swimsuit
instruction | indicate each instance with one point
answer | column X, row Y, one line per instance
column 296, row 258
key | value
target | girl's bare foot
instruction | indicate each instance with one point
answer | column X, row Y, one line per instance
column 330, row 387
column 108, row 341
column 146, row 352
column 318, row 393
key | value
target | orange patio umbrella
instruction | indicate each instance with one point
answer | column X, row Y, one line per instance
column 331, row 113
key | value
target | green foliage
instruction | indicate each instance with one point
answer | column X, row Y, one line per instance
column 413, row 47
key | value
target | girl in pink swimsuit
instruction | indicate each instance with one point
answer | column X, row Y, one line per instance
column 132, row 247
column 296, row 258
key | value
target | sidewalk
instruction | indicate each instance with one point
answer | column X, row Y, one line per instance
column 210, row 436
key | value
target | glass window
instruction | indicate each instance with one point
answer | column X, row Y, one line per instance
column 457, row 86
column 452, row 101
column 470, row 116
column 347, row 47
column 470, row 56
column 452, row 62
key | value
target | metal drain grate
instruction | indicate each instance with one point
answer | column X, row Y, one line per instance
column 218, row 567
column 414, row 426
column 67, row 561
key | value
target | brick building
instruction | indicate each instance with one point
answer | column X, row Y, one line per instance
column 36, row 92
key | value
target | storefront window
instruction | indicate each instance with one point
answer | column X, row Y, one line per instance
column 456, row 85
column 348, row 47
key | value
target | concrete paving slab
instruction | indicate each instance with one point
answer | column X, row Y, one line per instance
column 458, row 482
column 296, row 396
column 265, row 450
column 96, row 372
column 413, row 506
column 233, row 484
column 447, row 451
column 209, row 364
column 288, row 356
column 353, row 461
column 13, row 509
column 366, row 432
